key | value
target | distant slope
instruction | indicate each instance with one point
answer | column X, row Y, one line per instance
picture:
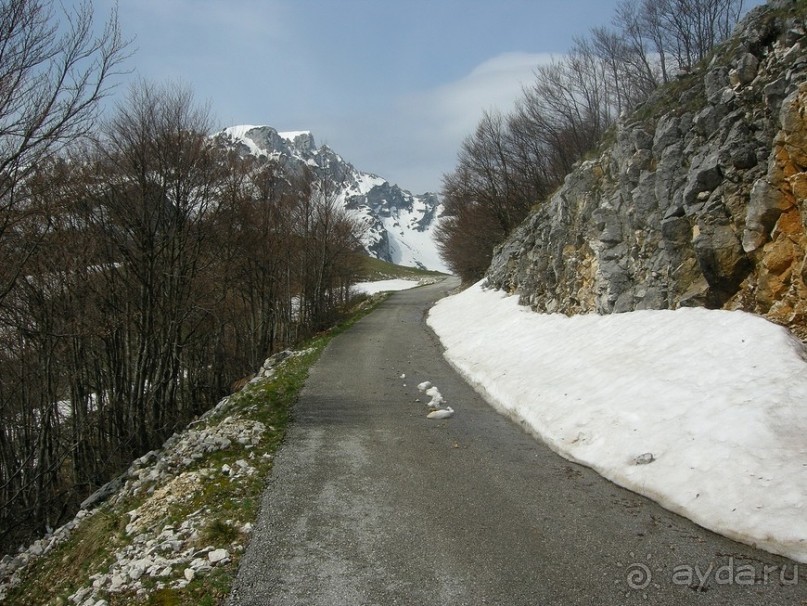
column 400, row 225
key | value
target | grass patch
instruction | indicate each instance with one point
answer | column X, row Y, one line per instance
column 222, row 505
column 51, row 579
column 220, row 532
column 659, row 104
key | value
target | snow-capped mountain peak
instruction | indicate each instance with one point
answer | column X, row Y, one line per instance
column 400, row 224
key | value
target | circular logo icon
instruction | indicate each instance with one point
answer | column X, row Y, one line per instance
column 639, row 576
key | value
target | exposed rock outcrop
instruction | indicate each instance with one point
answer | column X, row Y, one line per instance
column 701, row 199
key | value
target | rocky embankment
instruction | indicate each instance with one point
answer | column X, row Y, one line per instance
column 157, row 549
column 701, row 199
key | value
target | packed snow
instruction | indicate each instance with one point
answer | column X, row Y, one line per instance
column 441, row 413
column 413, row 245
column 704, row 411
column 434, row 393
column 436, row 413
column 365, row 182
column 239, row 132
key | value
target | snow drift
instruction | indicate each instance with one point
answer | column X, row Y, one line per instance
column 704, row 411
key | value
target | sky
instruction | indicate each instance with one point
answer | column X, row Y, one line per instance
column 393, row 86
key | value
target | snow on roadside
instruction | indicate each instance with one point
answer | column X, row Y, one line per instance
column 704, row 411
column 371, row 288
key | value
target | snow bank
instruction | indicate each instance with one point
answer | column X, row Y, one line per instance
column 718, row 398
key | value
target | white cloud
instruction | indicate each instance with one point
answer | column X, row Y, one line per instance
column 454, row 109
column 428, row 127
column 414, row 141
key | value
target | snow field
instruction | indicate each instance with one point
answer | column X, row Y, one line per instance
column 718, row 398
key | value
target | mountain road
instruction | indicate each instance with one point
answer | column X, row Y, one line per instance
column 370, row 502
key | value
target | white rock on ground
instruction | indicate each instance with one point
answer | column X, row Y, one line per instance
column 158, row 551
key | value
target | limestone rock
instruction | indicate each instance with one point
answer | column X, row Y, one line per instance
column 704, row 203
column 218, row 556
column 745, row 71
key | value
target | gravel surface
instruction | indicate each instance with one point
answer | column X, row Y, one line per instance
column 370, row 502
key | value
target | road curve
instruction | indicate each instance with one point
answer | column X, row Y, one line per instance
column 369, row 502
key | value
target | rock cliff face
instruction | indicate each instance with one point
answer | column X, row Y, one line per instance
column 700, row 200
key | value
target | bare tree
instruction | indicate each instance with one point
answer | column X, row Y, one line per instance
column 165, row 269
column 675, row 33
column 156, row 182
column 54, row 70
column 641, row 31
column 502, row 171
column 326, row 238
column 469, row 230
column 511, row 163
column 255, row 245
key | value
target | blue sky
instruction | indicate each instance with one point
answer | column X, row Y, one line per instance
column 391, row 85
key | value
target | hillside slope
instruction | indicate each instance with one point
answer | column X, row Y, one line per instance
column 698, row 201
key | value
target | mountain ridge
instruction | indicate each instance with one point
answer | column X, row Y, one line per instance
column 400, row 225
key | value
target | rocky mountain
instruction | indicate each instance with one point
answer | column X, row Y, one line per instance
column 700, row 199
column 399, row 224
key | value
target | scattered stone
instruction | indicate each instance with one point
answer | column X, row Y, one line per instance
column 116, row 582
column 218, row 556
column 79, row 596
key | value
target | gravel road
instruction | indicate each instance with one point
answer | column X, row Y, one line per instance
column 369, row 502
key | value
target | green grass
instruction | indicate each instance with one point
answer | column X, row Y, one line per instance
column 375, row 269
column 229, row 504
column 51, row 579
column 219, row 531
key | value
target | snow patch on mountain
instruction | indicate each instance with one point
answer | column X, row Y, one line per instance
column 400, row 225
column 292, row 135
